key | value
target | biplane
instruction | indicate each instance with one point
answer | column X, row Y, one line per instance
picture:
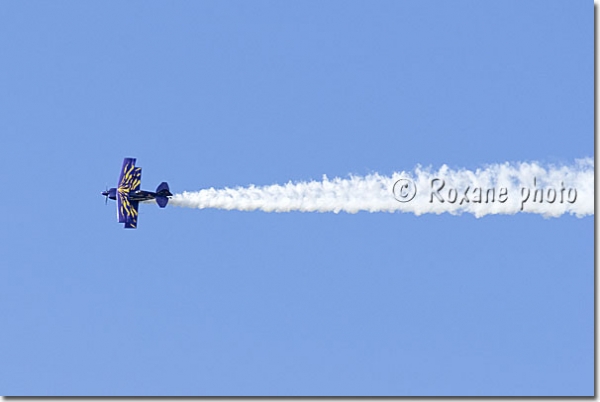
column 128, row 194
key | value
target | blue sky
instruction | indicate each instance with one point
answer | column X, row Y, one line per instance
column 231, row 93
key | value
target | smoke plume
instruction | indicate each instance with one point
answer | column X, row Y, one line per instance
column 506, row 188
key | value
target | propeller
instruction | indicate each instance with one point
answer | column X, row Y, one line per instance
column 106, row 199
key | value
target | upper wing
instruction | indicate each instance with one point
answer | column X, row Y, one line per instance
column 129, row 180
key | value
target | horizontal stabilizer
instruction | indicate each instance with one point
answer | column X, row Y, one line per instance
column 162, row 201
column 163, row 189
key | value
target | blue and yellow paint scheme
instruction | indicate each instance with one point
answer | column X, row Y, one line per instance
column 128, row 194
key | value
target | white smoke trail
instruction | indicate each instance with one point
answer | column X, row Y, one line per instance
column 496, row 189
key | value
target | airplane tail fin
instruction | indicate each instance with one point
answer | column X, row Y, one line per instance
column 162, row 192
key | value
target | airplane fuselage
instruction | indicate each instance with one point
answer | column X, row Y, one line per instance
column 139, row 195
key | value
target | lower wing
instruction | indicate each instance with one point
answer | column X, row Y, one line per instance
column 127, row 211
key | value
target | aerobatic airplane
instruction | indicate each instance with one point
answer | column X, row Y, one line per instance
column 128, row 194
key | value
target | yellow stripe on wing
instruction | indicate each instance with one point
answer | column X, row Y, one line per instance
column 127, row 175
